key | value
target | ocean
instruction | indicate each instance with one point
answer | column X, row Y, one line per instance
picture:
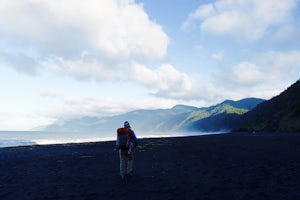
column 28, row 138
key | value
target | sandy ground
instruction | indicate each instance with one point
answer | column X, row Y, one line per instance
column 229, row 166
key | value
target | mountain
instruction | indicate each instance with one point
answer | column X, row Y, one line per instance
column 248, row 103
column 178, row 118
column 279, row 114
column 223, row 116
column 143, row 120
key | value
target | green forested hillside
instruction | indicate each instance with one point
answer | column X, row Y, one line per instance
column 279, row 114
column 223, row 116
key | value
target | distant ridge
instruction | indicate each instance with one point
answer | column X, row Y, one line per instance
column 248, row 103
column 177, row 118
column 223, row 116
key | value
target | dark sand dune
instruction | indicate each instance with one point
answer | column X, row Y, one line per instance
column 231, row 166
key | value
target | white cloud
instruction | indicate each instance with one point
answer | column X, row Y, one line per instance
column 266, row 76
column 17, row 121
column 114, row 32
column 281, row 65
column 246, row 19
column 82, row 68
column 246, row 73
column 201, row 13
column 72, row 106
column 168, row 81
column 20, row 61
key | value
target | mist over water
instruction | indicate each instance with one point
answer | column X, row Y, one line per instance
column 24, row 138
column 28, row 138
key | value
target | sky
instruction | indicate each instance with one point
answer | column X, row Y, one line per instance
column 73, row 58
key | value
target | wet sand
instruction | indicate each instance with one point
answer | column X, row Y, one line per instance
column 228, row 166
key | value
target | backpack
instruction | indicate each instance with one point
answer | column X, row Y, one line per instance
column 123, row 139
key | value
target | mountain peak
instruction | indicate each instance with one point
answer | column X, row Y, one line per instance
column 247, row 103
column 183, row 107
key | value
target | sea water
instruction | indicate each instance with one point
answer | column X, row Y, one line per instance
column 28, row 138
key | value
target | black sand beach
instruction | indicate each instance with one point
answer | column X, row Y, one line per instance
column 229, row 166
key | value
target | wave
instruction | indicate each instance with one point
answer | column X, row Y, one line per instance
column 18, row 143
column 29, row 138
column 14, row 143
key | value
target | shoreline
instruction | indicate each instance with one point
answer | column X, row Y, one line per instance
column 223, row 166
column 11, row 143
column 258, row 134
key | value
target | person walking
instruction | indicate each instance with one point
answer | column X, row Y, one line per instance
column 126, row 143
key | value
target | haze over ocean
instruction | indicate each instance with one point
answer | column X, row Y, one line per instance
column 28, row 138
column 24, row 138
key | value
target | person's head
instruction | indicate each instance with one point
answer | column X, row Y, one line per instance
column 126, row 124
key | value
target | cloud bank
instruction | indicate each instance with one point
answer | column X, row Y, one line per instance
column 97, row 106
column 118, row 29
column 92, row 40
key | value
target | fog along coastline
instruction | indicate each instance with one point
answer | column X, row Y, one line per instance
column 30, row 138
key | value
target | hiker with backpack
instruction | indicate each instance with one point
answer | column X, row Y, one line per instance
column 126, row 142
